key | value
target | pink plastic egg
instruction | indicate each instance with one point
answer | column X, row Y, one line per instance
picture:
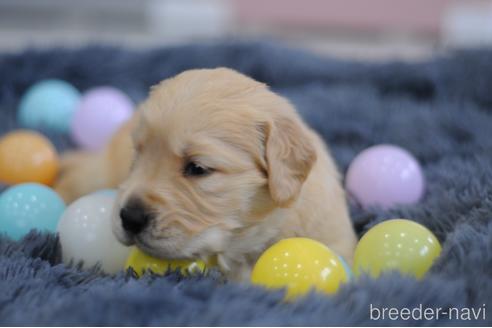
column 384, row 176
column 100, row 113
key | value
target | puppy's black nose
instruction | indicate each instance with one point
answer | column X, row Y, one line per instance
column 134, row 216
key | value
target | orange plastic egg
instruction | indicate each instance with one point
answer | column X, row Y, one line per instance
column 27, row 156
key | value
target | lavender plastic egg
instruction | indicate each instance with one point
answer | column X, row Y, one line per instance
column 101, row 112
column 384, row 176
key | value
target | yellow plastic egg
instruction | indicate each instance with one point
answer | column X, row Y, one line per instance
column 299, row 264
column 27, row 156
column 399, row 244
column 141, row 262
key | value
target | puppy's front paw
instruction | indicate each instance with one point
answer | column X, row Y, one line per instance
column 78, row 175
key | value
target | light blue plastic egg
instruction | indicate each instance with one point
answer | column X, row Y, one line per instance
column 49, row 104
column 107, row 192
column 29, row 206
column 350, row 275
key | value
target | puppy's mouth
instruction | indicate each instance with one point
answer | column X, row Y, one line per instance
column 140, row 240
column 143, row 244
column 162, row 248
column 168, row 245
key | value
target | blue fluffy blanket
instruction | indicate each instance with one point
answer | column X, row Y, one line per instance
column 440, row 109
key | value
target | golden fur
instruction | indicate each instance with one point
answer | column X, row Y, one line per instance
column 272, row 176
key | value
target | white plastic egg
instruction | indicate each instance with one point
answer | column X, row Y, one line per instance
column 85, row 234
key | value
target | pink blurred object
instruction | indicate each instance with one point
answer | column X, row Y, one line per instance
column 100, row 113
column 385, row 175
column 418, row 16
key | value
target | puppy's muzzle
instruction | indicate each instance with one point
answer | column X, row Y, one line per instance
column 135, row 216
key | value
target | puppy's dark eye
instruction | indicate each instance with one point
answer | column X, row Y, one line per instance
column 193, row 169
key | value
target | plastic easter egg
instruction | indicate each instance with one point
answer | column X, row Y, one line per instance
column 346, row 267
column 141, row 262
column 101, row 112
column 107, row 192
column 299, row 264
column 401, row 245
column 29, row 206
column 27, row 156
column 86, row 234
column 48, row 104
column 385, row 175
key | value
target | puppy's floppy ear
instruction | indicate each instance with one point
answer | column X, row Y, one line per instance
column 290, row 156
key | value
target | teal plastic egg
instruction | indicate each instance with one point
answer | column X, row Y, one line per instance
column 48, row 104
column 29, row 206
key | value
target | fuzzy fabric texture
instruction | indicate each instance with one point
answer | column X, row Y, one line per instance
column 440, row 110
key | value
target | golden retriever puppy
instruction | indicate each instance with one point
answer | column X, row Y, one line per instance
column 214, row 165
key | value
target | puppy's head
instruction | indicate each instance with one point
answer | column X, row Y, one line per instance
column 215, row 153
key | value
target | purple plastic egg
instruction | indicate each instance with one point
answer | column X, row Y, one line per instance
column 384, row 176
column 100, row 113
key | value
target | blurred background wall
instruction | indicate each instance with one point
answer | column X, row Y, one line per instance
column 373, row 29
